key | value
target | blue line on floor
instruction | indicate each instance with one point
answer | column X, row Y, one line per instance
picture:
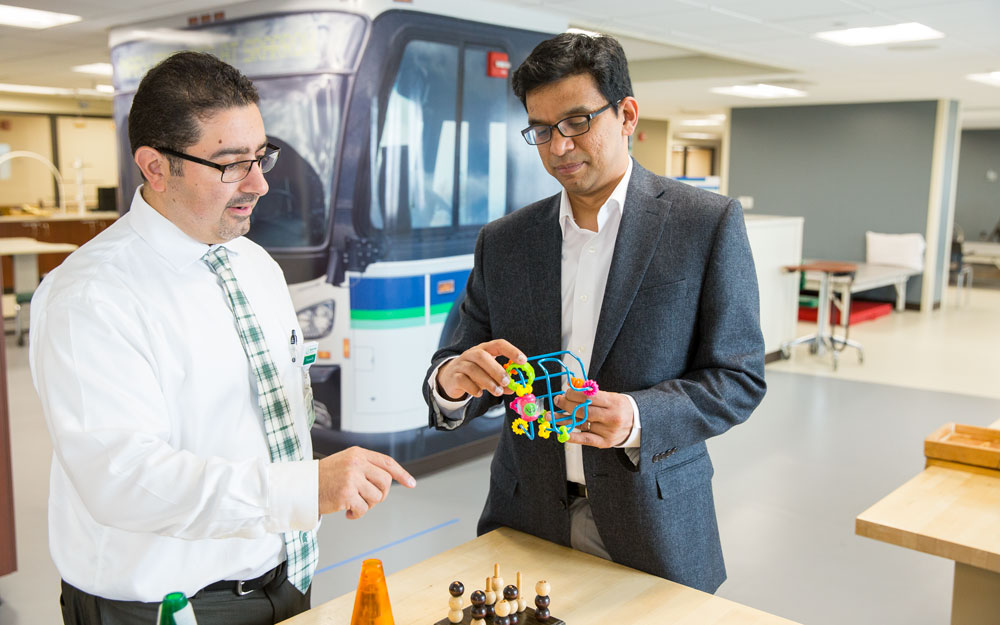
column 386, row 546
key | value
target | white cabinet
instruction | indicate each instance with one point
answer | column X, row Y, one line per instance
column 776, row 242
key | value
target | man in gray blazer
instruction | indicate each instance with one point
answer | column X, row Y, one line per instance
column 651, row 283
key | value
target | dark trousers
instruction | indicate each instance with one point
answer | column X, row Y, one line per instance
column 275, row 602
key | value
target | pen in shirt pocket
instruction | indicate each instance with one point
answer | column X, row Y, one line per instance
column 291, row 344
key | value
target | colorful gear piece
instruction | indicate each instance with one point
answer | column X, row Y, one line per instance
column 544, row 428
column 519, row 426
column 527, row 373
column 563, row 435
column 589, row 387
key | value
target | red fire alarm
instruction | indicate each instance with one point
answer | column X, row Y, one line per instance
column 4, row 124
column 497, row 65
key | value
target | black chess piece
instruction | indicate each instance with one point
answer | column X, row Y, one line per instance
column 542, row 613
column 478, row 599
column 510, row 594
column 457, row 589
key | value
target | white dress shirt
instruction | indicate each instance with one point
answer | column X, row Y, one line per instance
column 586, row 261
column 161, row 477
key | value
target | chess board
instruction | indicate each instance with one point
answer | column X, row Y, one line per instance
column 526, row 618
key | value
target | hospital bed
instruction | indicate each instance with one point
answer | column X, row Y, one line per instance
column 868, row 276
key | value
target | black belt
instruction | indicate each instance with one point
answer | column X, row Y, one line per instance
column 576, row 489
column 245, row 586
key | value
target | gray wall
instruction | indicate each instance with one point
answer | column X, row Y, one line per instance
column 846, row 168
column 977, row 204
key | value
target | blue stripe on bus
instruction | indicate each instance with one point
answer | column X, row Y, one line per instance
column 446, row 286
column 387, row 293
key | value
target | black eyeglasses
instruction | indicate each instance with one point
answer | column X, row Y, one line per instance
column 574, row 126
column 234, row 172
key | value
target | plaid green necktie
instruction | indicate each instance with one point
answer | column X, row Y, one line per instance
column 281, row 439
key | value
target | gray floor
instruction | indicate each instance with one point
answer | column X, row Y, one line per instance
column 788, row 485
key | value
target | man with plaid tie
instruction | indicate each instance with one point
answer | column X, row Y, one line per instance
column 172, row 386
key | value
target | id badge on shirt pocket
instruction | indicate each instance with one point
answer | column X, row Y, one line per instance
column 309, row 350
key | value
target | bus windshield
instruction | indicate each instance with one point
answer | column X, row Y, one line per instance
column 302, row 115
column 301, row 64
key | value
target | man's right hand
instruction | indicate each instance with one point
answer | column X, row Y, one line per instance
column 477, row 370
column 356, row 479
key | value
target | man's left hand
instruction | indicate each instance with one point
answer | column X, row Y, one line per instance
column 609, row 418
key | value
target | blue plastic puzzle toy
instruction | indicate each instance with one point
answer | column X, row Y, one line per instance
column 539, row 415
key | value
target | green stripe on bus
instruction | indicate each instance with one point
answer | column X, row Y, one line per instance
column 399, row 317
column 383, row 315
column 386, row 324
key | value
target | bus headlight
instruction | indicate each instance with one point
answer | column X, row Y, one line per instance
column 317, row 320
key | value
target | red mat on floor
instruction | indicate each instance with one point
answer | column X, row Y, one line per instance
column 860, row 311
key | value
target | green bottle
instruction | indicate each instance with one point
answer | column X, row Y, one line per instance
column 175, row 610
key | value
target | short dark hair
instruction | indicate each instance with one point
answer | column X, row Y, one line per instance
column 177, row 94
column 570, row 54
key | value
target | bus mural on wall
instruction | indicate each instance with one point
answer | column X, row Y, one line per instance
column 399, row 137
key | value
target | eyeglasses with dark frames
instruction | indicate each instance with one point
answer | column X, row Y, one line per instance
column 234, row 172
column 573, row 126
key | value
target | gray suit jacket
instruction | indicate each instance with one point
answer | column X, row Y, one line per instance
column 679, row 331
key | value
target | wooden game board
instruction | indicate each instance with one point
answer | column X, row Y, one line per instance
column 526, row 618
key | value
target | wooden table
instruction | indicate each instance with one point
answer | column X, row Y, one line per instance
column 25, row 252
column 586, row 590
column 71, row 228
column 953, row 513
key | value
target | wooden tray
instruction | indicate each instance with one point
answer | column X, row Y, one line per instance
column 967, row 444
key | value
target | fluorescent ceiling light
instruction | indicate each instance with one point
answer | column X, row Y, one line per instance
column 100, row 93
column 99, row 69
column 33, row 18
column 580, row 31
column 990, row 78
column 695, row 135
column 58, row 91
column 874, row 35
column 759, row 91
column 34, row 89
column 104, row 88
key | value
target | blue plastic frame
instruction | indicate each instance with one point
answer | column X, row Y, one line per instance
column 552, row 380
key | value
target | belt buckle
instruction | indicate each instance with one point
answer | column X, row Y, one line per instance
column 239, row 589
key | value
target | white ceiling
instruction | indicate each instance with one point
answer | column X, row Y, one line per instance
column 679, row 49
